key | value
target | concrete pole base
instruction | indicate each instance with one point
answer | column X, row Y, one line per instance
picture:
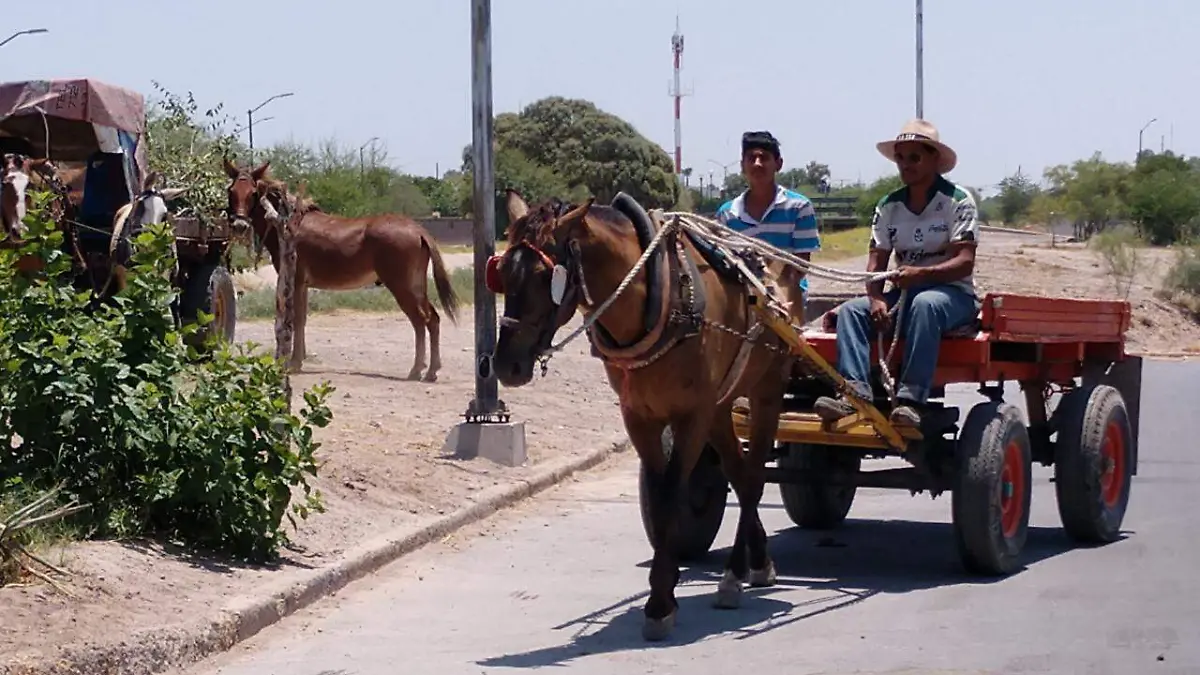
column 501, row 442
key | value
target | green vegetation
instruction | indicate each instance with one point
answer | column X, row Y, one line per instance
column 112, row 405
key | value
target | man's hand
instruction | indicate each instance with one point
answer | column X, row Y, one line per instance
column 907, row 276
column 879, row 314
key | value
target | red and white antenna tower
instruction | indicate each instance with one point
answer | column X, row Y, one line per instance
column 677, row 93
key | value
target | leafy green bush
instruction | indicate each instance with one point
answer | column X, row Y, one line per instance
column 112, row 404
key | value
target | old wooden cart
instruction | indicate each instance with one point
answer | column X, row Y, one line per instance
column 1081, row 391
column 97, row 131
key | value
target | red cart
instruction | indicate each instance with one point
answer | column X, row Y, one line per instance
column 1058, row 349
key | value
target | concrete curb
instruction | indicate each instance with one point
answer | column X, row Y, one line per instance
column 155, row 651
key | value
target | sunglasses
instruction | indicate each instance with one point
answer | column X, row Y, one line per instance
column 913, row 157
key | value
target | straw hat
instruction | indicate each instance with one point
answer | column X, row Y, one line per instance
column 921, row 131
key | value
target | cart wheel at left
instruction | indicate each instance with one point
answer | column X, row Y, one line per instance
column 701, row 505
column 210, row 289
column 992, row 489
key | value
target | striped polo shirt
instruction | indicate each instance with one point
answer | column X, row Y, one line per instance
column 790, row 222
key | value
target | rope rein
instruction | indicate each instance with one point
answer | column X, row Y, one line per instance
column 727, row 238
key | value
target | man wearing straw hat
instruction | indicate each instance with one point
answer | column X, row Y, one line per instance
column 932, row 226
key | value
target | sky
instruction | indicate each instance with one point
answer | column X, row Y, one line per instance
column 1016, row 84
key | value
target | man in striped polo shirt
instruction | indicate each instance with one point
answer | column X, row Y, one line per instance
column 778, row 216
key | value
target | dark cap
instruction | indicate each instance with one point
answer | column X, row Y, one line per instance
column 760, row 140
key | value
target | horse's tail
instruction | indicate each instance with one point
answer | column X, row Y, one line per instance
column 441, row 279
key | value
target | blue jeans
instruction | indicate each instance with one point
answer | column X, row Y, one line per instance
column 930, row 312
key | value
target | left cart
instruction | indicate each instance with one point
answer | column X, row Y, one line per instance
column 94, row 136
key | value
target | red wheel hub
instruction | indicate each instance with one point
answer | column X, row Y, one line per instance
column 1112, row 476
column 1012, row 490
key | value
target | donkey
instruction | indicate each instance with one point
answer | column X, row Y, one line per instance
column 675, row 378
column 339, row 253
column 149, row 207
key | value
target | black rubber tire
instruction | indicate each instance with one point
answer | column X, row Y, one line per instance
column 209, row 285
column 977, row 500
column 816, row 505
column 1084, row 421
column 701, row 505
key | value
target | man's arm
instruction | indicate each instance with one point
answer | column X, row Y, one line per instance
column 879, row 252
column 964, row 240
column 806, row 238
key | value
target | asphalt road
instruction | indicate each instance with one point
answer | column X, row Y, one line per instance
column 559, row 583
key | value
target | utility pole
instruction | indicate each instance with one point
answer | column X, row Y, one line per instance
column 920, row 60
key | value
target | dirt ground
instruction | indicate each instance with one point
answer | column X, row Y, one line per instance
column 384, row 464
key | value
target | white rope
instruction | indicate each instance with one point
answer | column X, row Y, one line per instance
column 637, row 267
column 713, row 231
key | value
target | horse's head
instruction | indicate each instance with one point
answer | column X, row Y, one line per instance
column 150, row 205
column 536, row 276
column 14, row 183
column 247, row 201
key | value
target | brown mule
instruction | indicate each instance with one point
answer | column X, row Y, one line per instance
column 338, row 253
column 671, row 367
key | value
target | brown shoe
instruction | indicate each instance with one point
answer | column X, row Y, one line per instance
column 833, row 409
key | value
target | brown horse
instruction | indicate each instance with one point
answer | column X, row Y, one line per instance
column 339, row 253
column 675, row 372
column 16, row 172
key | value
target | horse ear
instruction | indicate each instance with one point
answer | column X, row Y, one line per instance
column 517, row 207
column 170, row 194
column 149, row 181
column 231, row 169
column 578, row 213
column 261, row 171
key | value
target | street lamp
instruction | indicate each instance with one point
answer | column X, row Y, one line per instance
column 1152, row 121
column 920, row 60
column 29, row 31
column 244, row 126
column 250, row 119
column 362, row 164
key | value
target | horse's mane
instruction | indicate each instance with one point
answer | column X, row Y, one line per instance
column 303, row 204
column 537, row 226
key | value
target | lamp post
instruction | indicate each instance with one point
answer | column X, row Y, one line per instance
column 362, row 163
column 250, row 119
column 1143, row 130
column 920, row 60
column 28, row 31
column 243, row 127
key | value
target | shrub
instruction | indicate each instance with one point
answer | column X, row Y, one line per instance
column 1182, row 283
column 112, row 404
column 1119, row 249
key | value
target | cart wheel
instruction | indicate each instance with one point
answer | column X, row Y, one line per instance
column 1092, row 468
column 701, row 504
column 992, row 490
column 210, row 289
column 814, row 504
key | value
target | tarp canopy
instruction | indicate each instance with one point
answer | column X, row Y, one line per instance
column 82, row 116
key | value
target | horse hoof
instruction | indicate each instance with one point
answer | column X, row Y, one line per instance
column 413, row 376
column 654, row 630
column 431, row 377
column 729, row 592
column 764, row 577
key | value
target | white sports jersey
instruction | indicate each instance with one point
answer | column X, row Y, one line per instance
column 920, row 240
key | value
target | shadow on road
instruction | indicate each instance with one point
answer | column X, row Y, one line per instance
column 832, row 571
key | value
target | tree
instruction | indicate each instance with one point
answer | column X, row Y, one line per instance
column 870, row 197
column 1017, row 193
column 590, row 149
column 1164, row 197
column 1091, row 191
column 335, row 178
